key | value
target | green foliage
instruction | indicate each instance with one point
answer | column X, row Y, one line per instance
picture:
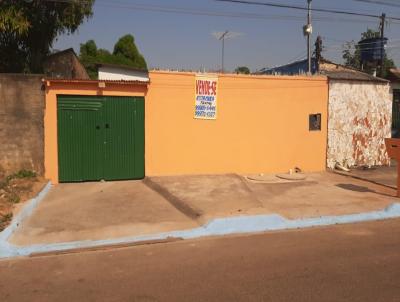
column 89, row 48
column 20, row 174
column 352, row 54
column 242, row 70
column 29, row 28
column 88, row 57
column 14, row 198
column 3, row 184
column 125, row 53
column 126, row 48
column 6, row 217
column 5, row 220
column 12, row 19
column 369, row 34
column 25, row 174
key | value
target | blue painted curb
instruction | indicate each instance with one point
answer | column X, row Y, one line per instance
column 27, row 210
column 221, row 226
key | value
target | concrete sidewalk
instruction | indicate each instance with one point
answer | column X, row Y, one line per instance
column 109, row 210
column 386, row 176
column 321, row 194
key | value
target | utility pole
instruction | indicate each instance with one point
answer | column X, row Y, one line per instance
column 307, row 31
column 383, row 20
column 318, row 52
column 223, row 48
column 222, row 36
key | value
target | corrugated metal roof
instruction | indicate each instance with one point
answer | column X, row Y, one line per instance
column 394, row 75
column 339, row 72
column 351, row 76
column 83, row 81
column 71, row 50
column 126, row 67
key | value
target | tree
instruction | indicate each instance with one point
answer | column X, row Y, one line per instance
column 28, row 29
column 126, row 48
column 89, row 56
column 352, row 54
column 125, row 53
column 242, row 70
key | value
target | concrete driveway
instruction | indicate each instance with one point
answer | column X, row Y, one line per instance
column 99, row 210
column 106, row 210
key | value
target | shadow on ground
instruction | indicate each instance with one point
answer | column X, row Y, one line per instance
column 107, row 210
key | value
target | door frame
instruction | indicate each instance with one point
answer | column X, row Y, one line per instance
column 56, row 87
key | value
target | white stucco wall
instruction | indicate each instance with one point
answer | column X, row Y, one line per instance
column 359, row 118
column 117, row 74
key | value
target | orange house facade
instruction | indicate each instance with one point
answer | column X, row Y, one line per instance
column 199, row 124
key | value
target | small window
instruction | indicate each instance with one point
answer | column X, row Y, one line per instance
column 315, row 122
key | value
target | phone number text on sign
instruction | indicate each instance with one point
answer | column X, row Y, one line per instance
column 206, row 98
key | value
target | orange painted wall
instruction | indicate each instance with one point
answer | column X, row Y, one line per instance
column 50, row 117
column 261, row 126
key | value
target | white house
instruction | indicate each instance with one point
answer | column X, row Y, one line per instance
column 120, row 72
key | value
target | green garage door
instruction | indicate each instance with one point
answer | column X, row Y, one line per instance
column 100, row 138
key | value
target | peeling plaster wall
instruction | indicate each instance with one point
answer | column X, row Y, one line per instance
column 360, row 117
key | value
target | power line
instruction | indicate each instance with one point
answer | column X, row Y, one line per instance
column 304, row 8
column 185, row 11
column 390, row 42
column 178, row 10
column 379, row 2
column 362, row 10
column 301, row 56
column 369, row 48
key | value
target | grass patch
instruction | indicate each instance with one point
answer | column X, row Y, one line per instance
column 3, row 184
column 20, row 175
column 5, row 220
column 25, row 174
column 13, row 189
column 14, row 198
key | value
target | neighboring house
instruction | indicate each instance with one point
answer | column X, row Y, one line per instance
column 114, row 72
column 64, row 65
column 394, row 78
column 359, row 113
column 294, row 68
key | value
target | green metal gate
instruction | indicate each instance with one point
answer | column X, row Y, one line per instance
column 396, row 113
column 100, row 138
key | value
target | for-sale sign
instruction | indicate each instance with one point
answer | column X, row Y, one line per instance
column 206, row 97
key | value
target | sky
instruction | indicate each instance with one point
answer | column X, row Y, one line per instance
column 269, row 37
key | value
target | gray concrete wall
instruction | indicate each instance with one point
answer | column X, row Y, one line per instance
column 21, row 123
